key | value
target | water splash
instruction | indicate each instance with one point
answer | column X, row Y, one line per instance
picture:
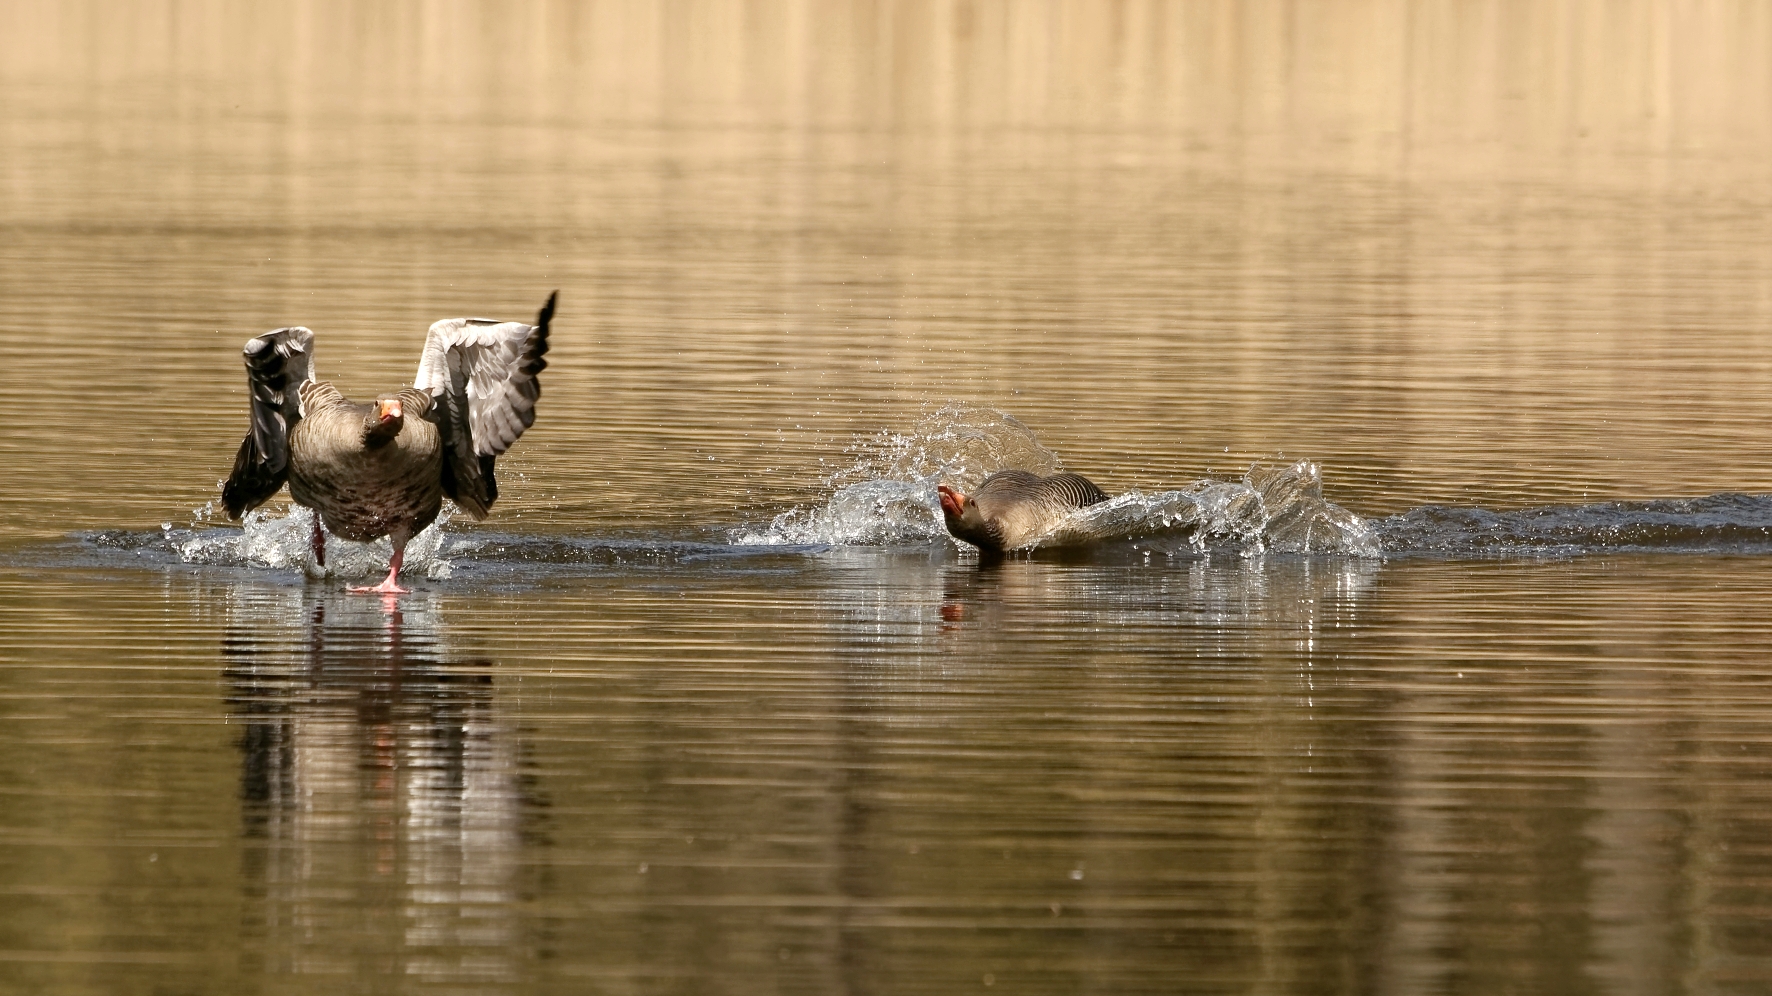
column 887, row 497
column 957, row 443
column 1275, row 508
column 893, row 501
column 872, row 513
column 281, row 541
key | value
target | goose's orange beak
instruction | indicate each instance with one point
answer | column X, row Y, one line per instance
column 952, row 502
column 388, row 409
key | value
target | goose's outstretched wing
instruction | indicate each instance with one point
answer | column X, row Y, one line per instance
column 276, row 365
column 482, row 375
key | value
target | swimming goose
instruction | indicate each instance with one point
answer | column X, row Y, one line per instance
column 383, row 469
column 1012, row 508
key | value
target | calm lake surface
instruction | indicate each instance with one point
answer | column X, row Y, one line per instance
column 1427, row 651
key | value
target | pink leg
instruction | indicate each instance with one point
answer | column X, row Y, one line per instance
column 319, row 541
column 389, row 587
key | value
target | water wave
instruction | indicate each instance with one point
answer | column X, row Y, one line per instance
column 1720, row 523
column 1274, row 508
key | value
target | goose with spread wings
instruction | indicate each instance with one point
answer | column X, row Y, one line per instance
column 383, row 469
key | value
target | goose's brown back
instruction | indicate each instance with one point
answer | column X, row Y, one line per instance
column 1015, row 486
column 1020, row 506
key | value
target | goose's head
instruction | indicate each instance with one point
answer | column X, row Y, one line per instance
column 965, row 521
column 383, row 422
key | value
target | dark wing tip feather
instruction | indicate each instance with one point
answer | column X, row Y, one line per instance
column 491, row 481
column 546, row 314
column 536, row 344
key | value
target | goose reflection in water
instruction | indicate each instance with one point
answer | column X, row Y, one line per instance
column 380, row 788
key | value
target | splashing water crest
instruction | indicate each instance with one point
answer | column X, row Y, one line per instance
column 1277, row 508
column 958, row 443
column 893, row 500
column 872, row 513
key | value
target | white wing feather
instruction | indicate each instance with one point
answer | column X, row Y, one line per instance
column 501, row 396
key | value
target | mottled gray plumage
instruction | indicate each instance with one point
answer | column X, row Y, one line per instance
column 1012, row 508
column 383, row 469
column 365, row 482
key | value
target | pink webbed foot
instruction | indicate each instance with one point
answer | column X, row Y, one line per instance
column 388, row 586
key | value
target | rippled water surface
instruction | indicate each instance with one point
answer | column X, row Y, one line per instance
column 1426, row 350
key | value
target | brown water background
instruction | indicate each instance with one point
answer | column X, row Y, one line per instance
column 1479, row 254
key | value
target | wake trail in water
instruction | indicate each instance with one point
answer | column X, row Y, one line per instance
column 887, row 501
column 1721, row 523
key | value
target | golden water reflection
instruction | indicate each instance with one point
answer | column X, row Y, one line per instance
column 381, row 790
column 902, row 771
column 1482, row 252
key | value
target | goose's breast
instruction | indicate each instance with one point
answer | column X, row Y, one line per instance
column 365, row 493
